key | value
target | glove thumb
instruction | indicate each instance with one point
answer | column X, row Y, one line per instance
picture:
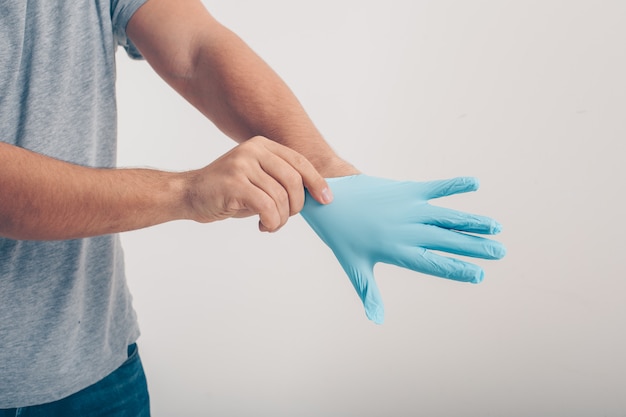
column 362, row 277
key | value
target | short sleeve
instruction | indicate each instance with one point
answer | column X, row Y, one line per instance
column 121, row 12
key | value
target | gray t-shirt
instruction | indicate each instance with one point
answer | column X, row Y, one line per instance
column 66, row 314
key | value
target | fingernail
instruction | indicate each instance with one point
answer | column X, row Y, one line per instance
column 327, row 195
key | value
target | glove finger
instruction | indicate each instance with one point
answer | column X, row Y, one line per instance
column 362, row 278
column 461, row 244
column 442, row 188
column 422, row 260
column 458, row 220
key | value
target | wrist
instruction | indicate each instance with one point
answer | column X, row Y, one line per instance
column 181, row 195
column 335, row 167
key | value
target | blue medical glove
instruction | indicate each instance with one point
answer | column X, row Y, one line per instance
column 379, row 220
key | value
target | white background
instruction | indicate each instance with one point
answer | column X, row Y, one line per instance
column 529, row 96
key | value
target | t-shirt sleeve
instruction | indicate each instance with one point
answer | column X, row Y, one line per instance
column 121, row 12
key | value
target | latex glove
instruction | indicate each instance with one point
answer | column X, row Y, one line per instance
column 379, row 220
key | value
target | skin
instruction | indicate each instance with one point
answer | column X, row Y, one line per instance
column 279, row 151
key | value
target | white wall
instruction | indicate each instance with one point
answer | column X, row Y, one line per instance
column 530, row 96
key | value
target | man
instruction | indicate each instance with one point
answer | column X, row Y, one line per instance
column 67, row 327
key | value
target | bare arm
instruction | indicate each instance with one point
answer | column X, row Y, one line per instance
column 43, row 198
column 220, row 75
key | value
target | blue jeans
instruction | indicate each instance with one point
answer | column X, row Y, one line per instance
column 123, row 393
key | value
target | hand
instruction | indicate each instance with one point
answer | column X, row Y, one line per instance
column 258, row 176
column 379, row 220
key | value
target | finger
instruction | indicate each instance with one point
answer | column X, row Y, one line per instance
column 278, row 196
column 458, row 220
column 257, row 201
column 422, row 260
column 290, row 179
column 442, row 188
column 458, row 243
column 312, row 180
column 362, row 278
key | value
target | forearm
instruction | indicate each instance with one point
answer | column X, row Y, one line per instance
column 245, row 97
column 222, row 77
column 46, row 199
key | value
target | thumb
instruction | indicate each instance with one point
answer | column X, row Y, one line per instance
column 362, row 277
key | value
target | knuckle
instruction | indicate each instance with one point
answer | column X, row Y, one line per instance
column 266, row 207
column 238, row 163
column 302, row 163
column 294, row 182
column 242, row 160
column 299, row 159
column 256, row 143
column 248, row 145
column 282, row 198
column 296, row 206
column 257, row 139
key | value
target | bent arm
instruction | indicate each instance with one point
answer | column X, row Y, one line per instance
column 46, row 199
column 219, row 74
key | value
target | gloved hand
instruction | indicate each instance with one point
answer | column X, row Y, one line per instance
column 379, row 220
